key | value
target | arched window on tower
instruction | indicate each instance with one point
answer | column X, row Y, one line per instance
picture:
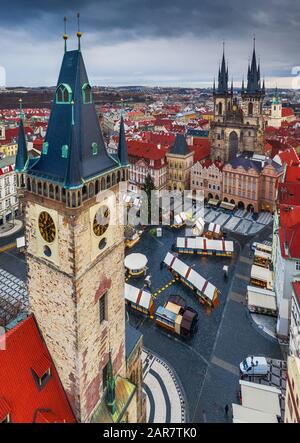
column 220, row 108
column 87, row 94
column 250, row 108
column 63, row 94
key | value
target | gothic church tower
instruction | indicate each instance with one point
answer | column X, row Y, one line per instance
column 75, row 250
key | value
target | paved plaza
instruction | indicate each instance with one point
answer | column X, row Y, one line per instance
column 206, row 366
column 240, row 221
column 165, row 398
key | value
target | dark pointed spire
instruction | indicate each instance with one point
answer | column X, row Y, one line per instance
column 65, row 36
column 253, row 77
column 122, row 147
column 79, row 34
column 73, row 96
column 232, row 86
column 223, row 75
column 214, row 86
column 243, row 86
column 111, row 387
column 22, row 154
column 73, row 176
column 263, row 87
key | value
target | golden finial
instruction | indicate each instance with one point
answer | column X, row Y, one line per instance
column 65, row 36
column 79, row 34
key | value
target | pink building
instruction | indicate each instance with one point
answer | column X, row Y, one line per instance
column 250, row 182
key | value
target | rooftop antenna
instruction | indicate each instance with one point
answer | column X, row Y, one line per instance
column 79, row 34
column 65, row 36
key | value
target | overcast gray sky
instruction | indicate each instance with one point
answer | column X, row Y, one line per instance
column 150, row 42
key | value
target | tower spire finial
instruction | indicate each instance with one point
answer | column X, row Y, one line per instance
column 65, row 36
column 21, row 109
column 79, row 34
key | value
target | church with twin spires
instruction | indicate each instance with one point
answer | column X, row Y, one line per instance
column 75, row 266
column 237, row 127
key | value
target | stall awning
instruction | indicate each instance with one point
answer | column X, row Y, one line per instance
column 227, row 205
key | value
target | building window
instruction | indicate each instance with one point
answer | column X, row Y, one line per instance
column 45, row 148
column 94, row 148
column 6, row 419
column 64, row 151
column 102, row 308
column 42, row 379
column 297, row 265
column 63, row 94
column 87, row 94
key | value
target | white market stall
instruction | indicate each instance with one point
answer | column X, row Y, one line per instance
column 136, row 264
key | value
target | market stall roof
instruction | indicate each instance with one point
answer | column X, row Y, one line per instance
column 137, row 296
column 241, row 414
column 135, row 261
column 261, row 300
column 226, row 205
column 213, row 202
column 261, row 397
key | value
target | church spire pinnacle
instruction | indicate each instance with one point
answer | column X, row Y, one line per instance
column 65, row 36
column 79, row 34
column 223, row 75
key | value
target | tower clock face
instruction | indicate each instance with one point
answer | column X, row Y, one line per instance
column 47, row 227
column 101, row 220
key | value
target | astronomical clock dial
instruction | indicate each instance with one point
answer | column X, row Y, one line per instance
column 47, row 227
column 101, row 220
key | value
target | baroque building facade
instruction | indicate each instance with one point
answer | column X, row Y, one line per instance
column 75, row 252
column 237, row 127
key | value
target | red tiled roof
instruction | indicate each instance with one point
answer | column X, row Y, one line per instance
column 289, row 157
column 289, row 215
column 287, row 112
column 5, row 409
column 289, row 193
column 292, row 174
column 24, row 347
column 291, row 238
column 201, row 148
column 296, row 287
column 147, row 151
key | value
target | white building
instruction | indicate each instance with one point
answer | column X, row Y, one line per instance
column 278, row 114
column 286, row 262
column 295, row 321
column 8, row 192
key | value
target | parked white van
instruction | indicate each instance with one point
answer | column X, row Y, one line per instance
column 254, row 366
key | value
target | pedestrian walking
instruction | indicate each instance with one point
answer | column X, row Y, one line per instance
column 226, row 410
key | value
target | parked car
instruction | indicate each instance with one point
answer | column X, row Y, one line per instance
column 254, row 366
column 253, row 246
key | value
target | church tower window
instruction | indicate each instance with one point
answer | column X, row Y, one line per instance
column 45, row 148
column 63, row 94
column 64, row 151
column 250, row 108
column 94, row 148
column 87, row 94
column 220, row 108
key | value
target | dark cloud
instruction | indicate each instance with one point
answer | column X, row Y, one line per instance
column 276, row 24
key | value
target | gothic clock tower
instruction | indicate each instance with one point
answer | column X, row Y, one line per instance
column 75, row 249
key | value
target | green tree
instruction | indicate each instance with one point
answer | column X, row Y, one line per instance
column 148, row 186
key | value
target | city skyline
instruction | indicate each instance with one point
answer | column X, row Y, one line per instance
column 135, row 43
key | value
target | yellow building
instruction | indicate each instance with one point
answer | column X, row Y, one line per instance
column 180, row 160
column 292, row 396
column 9, row 149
